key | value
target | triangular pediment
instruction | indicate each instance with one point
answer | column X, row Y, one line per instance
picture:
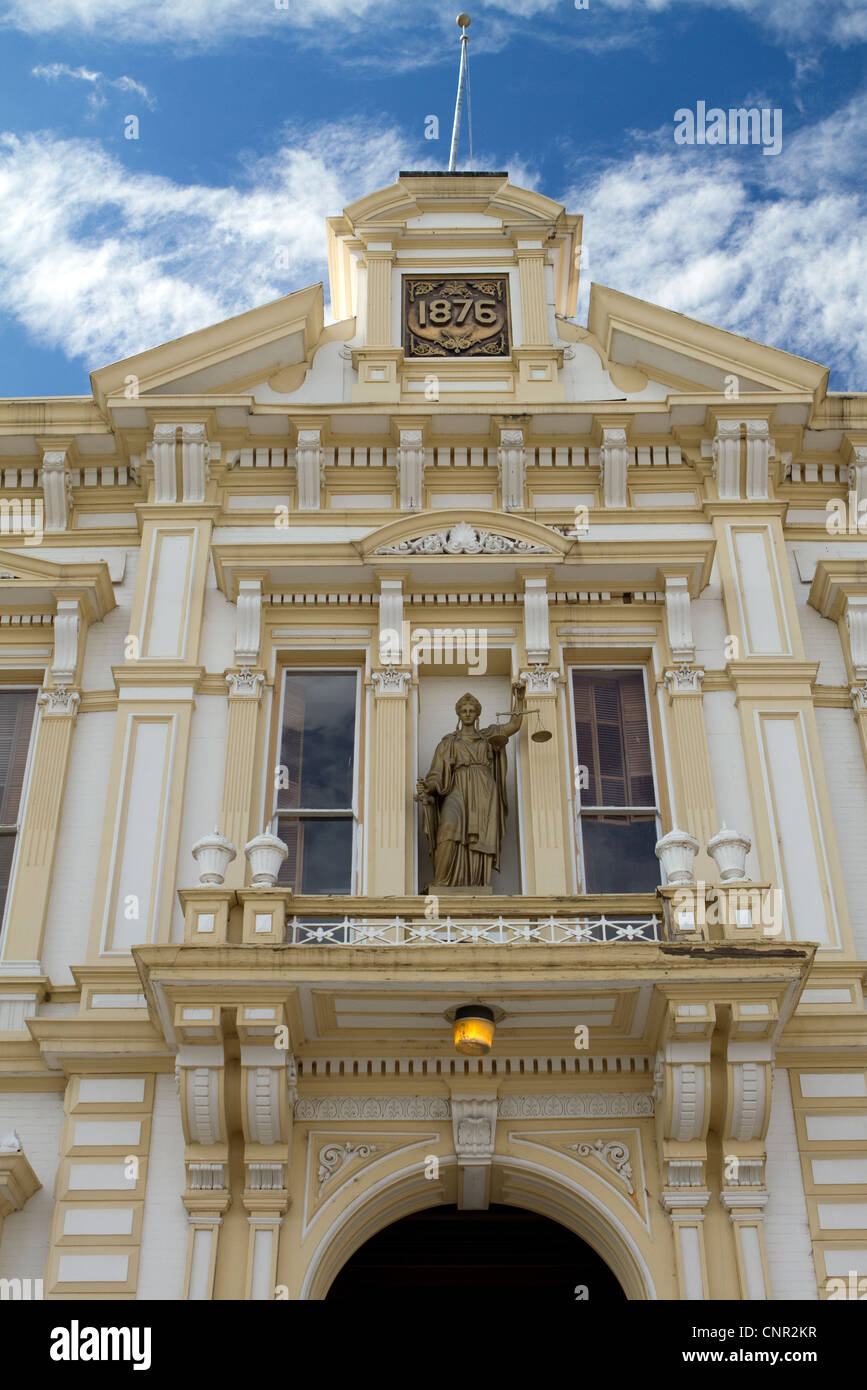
column 28, row 583
column 691, row 356
column 223, row 357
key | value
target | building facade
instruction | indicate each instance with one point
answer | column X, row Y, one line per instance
column 242, row 587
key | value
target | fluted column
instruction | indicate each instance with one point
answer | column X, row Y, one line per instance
column 695, row 804
column 390, row 806
column 531, row 266
column 379, row 298
column 545, row 794
column 240, row 782
column 37, row 839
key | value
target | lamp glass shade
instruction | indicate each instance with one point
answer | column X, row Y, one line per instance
column 474, row 1031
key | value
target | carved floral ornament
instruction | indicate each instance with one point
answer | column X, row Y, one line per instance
column 333, row 1158
column 612, row 1155
column 464, row 539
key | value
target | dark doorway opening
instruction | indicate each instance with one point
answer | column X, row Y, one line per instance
column 485, row 1253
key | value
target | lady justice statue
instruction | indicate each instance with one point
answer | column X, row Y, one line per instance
column 463, row 797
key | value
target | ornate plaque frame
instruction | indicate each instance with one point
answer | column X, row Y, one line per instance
column 456, row 316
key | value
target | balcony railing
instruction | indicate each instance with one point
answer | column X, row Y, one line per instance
column 360, row 923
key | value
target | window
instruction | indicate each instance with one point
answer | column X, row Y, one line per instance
column 616, row 794
column 317, row 779
column 16, row 722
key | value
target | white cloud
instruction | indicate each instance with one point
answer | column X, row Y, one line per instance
column 53, row 72
column 773, row 249
column 102, row 262
column 207, row 23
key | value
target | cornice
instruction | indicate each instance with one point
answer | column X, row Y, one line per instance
column 779, row 678
column 836, row 581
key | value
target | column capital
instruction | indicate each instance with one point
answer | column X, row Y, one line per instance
column 245, row 682
column 541, row 680
column 60, row 700
column 683, row 680
column 390, row 683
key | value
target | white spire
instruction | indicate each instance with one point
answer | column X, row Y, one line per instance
column 463, row 79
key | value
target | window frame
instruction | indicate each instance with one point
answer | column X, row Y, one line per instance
column 10, row 830
column 579, row 810
column 342, row 813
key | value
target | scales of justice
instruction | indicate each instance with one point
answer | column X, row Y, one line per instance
column 463, row 797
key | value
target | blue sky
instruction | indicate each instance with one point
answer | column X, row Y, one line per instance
column 259, row 118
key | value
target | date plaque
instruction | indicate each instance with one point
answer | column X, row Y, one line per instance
column 456, row 316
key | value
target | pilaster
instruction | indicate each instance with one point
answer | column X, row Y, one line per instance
column 37, row 843
column 531, row 268
column 240, row 799
column 545, row 795
column 389, row 808
column 695, row 806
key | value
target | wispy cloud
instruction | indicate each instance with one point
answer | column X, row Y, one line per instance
column 102, row 262
column 97, row 82
column 334, row 23
column 770, row 248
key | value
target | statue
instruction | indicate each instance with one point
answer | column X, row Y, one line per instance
column 463, row 796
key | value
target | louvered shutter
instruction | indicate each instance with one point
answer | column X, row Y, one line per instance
column 16, row 723
column 636, row 741
column 612, row 738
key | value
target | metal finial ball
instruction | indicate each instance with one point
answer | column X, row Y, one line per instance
column 464, row 20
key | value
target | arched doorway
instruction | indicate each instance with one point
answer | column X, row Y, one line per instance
column 504, row 1250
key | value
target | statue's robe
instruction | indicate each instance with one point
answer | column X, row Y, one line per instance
column 464, row 825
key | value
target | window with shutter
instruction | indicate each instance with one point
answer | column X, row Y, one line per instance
column 316, row 791
column 616, row 791
column 17, row 708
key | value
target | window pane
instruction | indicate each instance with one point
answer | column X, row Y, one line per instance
column 612, row 738
column 619, row 854
column 7, row 847
column 318, row 740
column 320, row 854
column 16, row 723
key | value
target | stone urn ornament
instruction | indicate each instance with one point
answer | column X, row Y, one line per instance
column 676, row 852
column 729, row 850
column 213, row 854
column 265, row 854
